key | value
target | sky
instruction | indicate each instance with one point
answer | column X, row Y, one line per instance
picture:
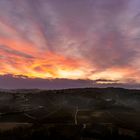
column 95, row 41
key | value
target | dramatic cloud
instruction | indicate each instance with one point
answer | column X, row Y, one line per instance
column 73, row 39
column 10, row 51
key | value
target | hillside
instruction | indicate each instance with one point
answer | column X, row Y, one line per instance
column 93, row 108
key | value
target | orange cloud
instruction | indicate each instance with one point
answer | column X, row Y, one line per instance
column 14, row 60
column 102, row 53
column 43, row 64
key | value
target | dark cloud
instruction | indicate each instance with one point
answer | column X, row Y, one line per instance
column 105, row 80
column 23, row 82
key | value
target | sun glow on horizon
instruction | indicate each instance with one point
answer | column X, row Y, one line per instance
column 47, row 40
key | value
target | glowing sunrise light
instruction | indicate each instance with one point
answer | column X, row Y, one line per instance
column 72, row 74
column 72, row 40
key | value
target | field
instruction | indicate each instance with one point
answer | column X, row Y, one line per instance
column 87, row 114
